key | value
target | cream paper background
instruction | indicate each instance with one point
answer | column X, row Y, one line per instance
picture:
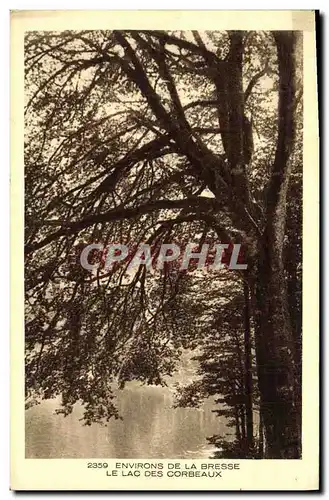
column 73, row 474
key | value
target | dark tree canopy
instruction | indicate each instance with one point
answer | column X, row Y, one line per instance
column 153, row 136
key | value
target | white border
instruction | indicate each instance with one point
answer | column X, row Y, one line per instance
column 4, row 172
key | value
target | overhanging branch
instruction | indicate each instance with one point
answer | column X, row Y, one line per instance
column 70, row 228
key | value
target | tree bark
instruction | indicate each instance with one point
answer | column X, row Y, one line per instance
column 248, row 368
column 261, row 437
column 275, row 346
column 293, row 259
column 275, row 360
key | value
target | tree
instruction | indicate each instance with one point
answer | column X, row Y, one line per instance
column 145, row 136
column 225, row 355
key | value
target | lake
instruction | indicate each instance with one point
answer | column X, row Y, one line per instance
column 150, row 428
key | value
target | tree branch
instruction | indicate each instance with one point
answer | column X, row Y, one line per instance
column 254, row 81
column 201, row 102
column 183, row 44
column 285, row 42
column 70, row 228
column 206, row 165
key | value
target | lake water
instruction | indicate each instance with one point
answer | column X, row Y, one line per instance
column 151, row 428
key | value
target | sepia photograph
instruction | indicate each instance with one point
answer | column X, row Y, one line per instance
column 143, row 149
column 163, row 247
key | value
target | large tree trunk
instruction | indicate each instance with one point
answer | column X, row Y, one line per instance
column 293, row 260
column 274, row 336
column 275, row 352
column 248, row 369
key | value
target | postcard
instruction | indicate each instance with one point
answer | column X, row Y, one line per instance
column 164, row 283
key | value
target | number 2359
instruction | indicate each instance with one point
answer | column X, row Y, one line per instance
column 97, row 465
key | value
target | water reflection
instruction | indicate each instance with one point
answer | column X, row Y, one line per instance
column 151, row 428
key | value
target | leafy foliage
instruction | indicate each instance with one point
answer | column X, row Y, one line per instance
column 136, row 137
